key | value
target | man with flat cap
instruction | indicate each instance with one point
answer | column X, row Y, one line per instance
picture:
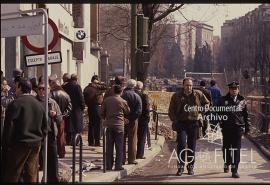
column 235, row 124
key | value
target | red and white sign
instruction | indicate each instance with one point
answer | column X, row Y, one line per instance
column 36, row 42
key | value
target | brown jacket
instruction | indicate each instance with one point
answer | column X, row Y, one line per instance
column 113, row 110
column 93, row 94
column 180, row 102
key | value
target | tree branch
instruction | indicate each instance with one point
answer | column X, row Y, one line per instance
column 167, row 12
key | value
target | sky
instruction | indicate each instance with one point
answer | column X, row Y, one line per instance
column 213, row 14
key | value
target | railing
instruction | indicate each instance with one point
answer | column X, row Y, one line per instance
column 259, row 122
column 156, row 119
column 78, row 136
column 104, row 149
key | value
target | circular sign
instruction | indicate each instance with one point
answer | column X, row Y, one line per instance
column 36, row 42
column 80, row 34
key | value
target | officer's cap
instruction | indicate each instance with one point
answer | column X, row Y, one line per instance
column 233, row 84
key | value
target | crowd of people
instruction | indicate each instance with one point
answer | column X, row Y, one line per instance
column 122, row 107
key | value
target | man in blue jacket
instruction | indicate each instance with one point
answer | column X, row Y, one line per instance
column 135, row 104
column 215, row 96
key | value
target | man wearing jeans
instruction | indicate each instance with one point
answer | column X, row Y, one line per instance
column 184, row 113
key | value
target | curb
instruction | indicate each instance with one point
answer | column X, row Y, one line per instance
column 262, row 149
column 111, row 176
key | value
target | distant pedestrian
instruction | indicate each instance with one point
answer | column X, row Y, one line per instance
column 113, row 111
column 6, row 98
column 66, row 78
column 17, row 75
column 93, row 95
column 142, row 121
column 25, row 126
column 207, row 94
column 215, row 96
column 135, row 104
column 75, row 93
column 34, row 86
column 118, row 80
column 215, row 92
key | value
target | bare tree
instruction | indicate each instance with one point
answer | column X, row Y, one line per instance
column 115, row 23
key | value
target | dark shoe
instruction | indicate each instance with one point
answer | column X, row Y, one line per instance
column 179, row 172
column 119, row 169
column 97, row 144
column 134, row 162
column 235, row 175
column 190, row 172
column 109, row 169
column 141, row 157
column 226, row 168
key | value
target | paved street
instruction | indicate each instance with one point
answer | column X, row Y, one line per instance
column 93, row 161
column 254, row 168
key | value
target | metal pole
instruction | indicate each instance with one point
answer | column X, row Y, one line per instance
column 156, row 126
column 46, row 92
column 80, row 162
column 74, row 159
column 133, row 46
column 104, row 149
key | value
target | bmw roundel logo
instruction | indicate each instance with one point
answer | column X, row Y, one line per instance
column 80, row 34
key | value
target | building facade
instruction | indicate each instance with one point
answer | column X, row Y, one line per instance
column 194, row 33
column 78, row 60
column 245, row 46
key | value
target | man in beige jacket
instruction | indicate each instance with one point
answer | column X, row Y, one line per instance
column 113, row 111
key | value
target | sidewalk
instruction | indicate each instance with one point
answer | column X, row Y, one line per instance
column 95, row 156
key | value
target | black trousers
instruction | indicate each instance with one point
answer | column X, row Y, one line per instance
column 231, row 146
column 94, row 126
column 186, row 135
column 141, row 134
column 114, row 137
column 52, row 160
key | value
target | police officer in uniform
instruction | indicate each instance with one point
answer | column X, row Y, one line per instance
column 233, row 127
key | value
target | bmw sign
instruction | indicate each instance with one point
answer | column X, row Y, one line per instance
column 80, row 35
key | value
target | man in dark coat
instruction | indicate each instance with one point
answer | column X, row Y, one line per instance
column 93, row 95
column 135, row 104
column 232, row 128
column 25, row 127
column 75, row 93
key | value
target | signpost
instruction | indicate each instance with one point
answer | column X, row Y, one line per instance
column 39, row 59
column 21, row 26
